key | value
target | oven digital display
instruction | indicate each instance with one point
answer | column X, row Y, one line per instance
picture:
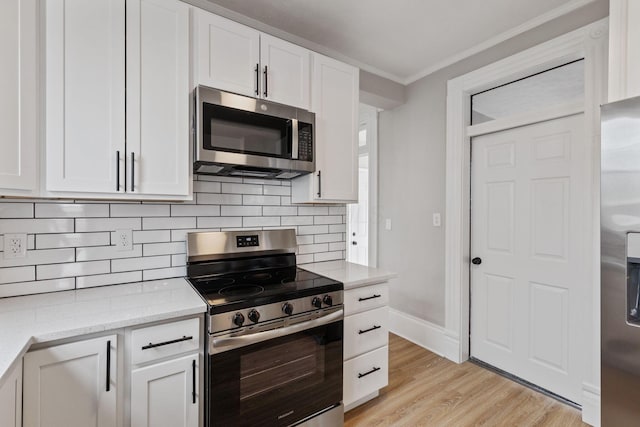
column 247, row 241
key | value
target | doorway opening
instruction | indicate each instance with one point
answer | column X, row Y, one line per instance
column 362, row 216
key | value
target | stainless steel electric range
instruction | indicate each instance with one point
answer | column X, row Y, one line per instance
column 274, row 331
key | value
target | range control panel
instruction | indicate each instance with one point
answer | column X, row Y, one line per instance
column 247, row 241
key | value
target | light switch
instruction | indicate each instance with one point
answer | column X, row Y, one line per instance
column 437, row 222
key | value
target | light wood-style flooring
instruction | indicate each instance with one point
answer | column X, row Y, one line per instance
column 428, row 390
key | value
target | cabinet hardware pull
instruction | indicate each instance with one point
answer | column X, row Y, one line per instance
column 257, row 79
column 151, row 345
column 368, row 298
column 360, row 332
column 193, row 372
column 133, row 170
column 368, row 372
column 319, row 184
column 266, row 82
column 118, row 170
column 108, row 365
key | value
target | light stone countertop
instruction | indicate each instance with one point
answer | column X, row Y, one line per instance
column 352, row 275
column 31, row 319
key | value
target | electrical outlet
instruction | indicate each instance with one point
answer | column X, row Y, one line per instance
column 387, row 224
column 124, row 240
column 15, row 246
column 437, row 221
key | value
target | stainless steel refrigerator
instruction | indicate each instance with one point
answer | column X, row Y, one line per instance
column 620, row 263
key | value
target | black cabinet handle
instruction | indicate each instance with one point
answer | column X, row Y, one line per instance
column 193, row 372
column 257, row 79
column 151, row 345
column 368, row 298
column 319, row 184
column 266, row 82
column 108, row 365
column 118, row 170
column 369, row 372
column 360, row 332
column 133, row 170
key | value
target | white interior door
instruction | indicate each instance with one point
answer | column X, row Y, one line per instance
column 528, row 193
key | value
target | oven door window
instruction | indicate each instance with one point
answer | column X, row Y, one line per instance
column 245, row 132
column 277, row 382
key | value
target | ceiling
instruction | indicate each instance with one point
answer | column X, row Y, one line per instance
column 402, row 39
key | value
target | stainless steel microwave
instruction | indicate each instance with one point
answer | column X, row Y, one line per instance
column 242, row 136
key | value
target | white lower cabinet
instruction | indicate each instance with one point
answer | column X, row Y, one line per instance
column 72, row 385
column 366, row 339
column 165, row 394
column 11, row 398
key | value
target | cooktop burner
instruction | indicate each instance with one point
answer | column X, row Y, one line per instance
column 234, row 291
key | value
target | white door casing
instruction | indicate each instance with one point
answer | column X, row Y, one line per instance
column 527, row 226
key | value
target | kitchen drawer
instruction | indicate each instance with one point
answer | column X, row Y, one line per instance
column 365, row 374
column 365, row 331
column 365, row 298
column 164, row 340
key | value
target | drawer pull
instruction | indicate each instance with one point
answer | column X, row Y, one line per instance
column 368, row 298
column 360, row 332
column 150, row 345
column 369, row 372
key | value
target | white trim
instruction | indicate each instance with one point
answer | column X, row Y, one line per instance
column 423, row 333
column 493, row 41
column 529, row 118
column 591, row 404
column 590, row 43
column 618, row 43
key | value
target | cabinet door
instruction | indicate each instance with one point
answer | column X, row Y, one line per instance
column 85, row 90
column 285, row 72
column 335, row 94
column 18, row 127
column 158, row 97
column 71, row 385
column 166, row 394
column 227, row 54
column 11, row 398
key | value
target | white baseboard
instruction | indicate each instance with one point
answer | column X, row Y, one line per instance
column 423, row 333
column 591, row 404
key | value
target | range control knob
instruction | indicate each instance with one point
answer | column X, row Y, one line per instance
column 316, row 302
column 287, row 309
column 238, row 319
column 327, row 300
column 254, row 315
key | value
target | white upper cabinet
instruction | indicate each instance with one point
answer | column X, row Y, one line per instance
column 85, row 90
column 228, row 54
column 335, row 100
column 157, row 97
column 104, row 55
column 18, row 126
column 240, row 59
column 285, row 72
column 72, row 385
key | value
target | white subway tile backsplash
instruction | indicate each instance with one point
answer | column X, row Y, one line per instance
column 16, row 210
column 35, row 226
column 144, row 263
column 132, row 210
column 107, row 224
column 71, row 210
column 53, row 271
column 168, row 223
column 70, row 242
column 108, row 279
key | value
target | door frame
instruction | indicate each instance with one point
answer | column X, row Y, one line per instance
column 590, row 43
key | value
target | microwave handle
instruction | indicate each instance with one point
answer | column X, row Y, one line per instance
column 294, row 139
column 219, row 345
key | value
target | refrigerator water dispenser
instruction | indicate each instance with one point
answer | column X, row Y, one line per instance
column 633, row 278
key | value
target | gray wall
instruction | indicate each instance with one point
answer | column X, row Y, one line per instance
column 412, row 172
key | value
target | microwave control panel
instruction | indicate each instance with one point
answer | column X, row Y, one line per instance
column 305, row 142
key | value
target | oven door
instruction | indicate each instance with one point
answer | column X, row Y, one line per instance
column 278, row 381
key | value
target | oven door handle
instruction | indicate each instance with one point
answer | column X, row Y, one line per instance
column 218, row 345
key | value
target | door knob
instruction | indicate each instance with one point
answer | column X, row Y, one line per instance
column 354, row 243
column 476, row 261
